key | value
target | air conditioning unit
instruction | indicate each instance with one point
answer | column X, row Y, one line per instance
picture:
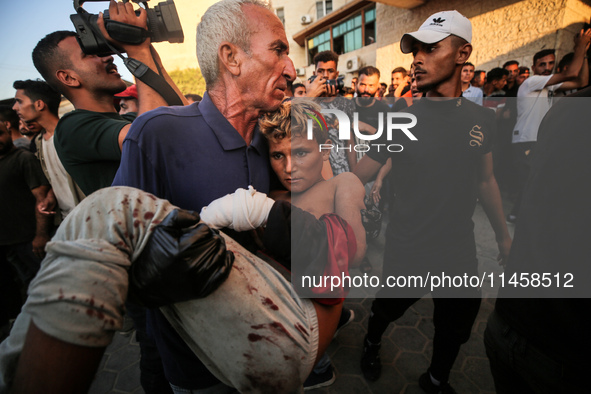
column 300, row 72
column 352, row 64
column 306, row 19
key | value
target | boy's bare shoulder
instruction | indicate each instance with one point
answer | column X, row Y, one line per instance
column 347, row 179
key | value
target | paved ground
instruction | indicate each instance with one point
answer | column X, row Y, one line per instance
column 406, row 349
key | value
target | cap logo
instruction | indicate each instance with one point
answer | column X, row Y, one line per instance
column 437, row 22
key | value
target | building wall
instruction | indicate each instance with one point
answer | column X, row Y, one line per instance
column 181, row 56
column 293, row 13
column 502, row 29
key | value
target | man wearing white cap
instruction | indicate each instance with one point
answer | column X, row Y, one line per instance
column 437, row 180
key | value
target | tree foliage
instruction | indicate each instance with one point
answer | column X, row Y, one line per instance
column 189, row 80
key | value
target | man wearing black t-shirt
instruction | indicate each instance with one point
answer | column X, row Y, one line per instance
column 537, row 342
column 436, row 181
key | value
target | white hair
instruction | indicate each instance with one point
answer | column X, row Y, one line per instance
column 223, row 21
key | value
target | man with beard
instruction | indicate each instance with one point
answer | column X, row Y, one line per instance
column 369, row 108
column 534, row 99
column 436, row 181
column 88, row 140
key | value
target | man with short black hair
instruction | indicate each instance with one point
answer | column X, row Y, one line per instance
column 512, row 66
column 479, row 79
column 496, row 79
column 36, row 101
column 342, row 156
column 436, row 181
column 400, row 79
column 88, row 140
column 298, row 90
column 24, row 231
column 535, row 99
column 470, row 92
column 11, row 121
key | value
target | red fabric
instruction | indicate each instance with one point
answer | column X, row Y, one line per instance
column 342, row 246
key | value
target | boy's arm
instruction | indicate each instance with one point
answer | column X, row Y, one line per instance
column 349, row 195
column 49, row 365
column 490, row 197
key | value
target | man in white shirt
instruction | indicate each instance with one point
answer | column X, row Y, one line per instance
column 37, row 101
column 534, row 99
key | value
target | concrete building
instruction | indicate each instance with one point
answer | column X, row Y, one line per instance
column 366, row 32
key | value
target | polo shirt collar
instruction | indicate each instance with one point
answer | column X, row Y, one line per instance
column 227, row 135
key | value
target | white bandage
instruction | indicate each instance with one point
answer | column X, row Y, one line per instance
column 242, row 210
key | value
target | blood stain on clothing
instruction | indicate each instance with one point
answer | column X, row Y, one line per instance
column 136, row 223
column 247, row 356
column 88, row 218
column 148, row 215
column 301, row 328
column 281, row 328
column 251, row 289
column 254, row 337
column 136, row 212
column 268, row 302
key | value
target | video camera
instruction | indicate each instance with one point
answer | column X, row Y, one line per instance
column 163, row 25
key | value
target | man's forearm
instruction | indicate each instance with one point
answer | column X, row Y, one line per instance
column 148, row 98
column 490, row 198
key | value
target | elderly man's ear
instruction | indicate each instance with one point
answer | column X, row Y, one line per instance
column 230, row 56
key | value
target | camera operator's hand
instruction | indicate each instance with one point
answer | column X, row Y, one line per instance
column 331, row 90
column 316, row 88
column 124, row 13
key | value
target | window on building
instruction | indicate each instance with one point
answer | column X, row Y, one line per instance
column 323, row 8
column 347, row 36
column 319, row 43
column 370, row 26
column 281, row 15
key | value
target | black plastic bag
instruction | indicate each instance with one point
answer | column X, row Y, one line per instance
column 183, row 260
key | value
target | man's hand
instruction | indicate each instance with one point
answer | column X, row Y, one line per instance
column 124, row 13
column 582, row 39
column 39, row 245
column 319, row 88
column 48, row 205
column 504, row 250
column 375, row 191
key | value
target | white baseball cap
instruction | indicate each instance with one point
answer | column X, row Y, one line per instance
column 437, row 27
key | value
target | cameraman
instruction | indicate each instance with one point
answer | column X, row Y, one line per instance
column 342, row 156
column 88, row 140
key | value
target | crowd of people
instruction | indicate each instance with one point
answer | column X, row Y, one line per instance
column 116, row 208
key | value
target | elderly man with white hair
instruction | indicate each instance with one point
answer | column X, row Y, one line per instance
column 251, row 331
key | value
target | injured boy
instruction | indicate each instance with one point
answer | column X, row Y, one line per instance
column 239, row 315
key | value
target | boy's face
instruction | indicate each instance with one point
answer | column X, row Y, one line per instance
column 297, row 162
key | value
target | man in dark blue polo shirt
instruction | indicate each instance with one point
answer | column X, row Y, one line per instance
column 193, row 155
